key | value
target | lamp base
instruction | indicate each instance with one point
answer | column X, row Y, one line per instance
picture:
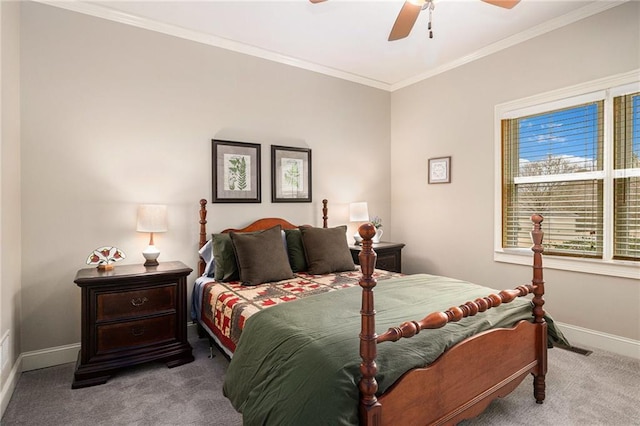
column 151, row 254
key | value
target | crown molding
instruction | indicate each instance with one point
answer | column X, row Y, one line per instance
column 199, row 37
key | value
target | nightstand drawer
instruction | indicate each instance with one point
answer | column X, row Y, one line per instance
column 130, row 304
column 389, row 255
column 388, row 262
column 129, row 334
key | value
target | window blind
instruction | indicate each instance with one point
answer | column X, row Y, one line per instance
column 553, row 165
column 626, row 137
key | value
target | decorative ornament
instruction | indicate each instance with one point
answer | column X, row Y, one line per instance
column 376, row 221
column 104, row 257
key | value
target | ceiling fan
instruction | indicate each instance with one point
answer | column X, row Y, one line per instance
column 411, row 9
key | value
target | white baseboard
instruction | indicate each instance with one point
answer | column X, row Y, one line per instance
column 10, row 385
column 63, row 354
column 591, row 339
column 192, row 330
column 49, row 357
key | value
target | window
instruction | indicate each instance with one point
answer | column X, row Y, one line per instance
column 574, row 157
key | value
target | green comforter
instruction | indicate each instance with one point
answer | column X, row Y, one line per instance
column 298, row 363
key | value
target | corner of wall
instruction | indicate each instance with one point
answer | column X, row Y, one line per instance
column 10, row 200
column 9, row 385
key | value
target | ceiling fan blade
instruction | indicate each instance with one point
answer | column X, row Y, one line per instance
column 405, row 20
column 317, row 1
column 507, row 4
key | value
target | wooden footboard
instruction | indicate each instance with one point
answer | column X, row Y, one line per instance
column 466, row 378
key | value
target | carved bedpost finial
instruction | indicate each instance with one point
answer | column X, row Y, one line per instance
column 203, row 232
column 367, row 230
column 324, row 213
column 536, row 233
column 538, row 282
column 367, row 256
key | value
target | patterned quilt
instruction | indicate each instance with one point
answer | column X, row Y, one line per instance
column 227, row 306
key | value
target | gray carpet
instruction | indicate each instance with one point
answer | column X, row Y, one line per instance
column 599, row 389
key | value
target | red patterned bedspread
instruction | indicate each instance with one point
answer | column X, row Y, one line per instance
column 226, row 306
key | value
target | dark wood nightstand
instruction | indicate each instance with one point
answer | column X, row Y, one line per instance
column 389, row 255
column 130, row 315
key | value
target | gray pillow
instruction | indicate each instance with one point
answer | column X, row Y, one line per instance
column 224, row 258
column 295, row 250
column 326, row 250
column 261, row 256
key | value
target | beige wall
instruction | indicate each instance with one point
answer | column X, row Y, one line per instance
column 449, row 228
column 114, row 116
column 10, row 302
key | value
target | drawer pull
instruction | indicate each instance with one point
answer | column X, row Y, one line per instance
column 139, row 301
column 137, row 331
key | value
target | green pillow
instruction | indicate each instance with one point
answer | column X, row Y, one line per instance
column 225, row 259
column 261, row 256
column 295, row 250
column 326, row 250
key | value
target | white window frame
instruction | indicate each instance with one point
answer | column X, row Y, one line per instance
column 605, row 88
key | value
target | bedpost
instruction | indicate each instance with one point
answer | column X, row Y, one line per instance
column 370, row 408
column 537, row 281
column 538, row 311
column 324, row 213
column 203, row 232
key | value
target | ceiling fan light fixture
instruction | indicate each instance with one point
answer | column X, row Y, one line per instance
column 507, row 4
column 411, row 9
column 423, row 4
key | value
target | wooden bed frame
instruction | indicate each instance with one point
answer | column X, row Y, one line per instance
column 464, row 380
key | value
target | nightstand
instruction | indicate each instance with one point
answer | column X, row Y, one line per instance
column 130, row 315
column 389, row 255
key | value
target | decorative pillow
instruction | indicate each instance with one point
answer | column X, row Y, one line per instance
column 326, row 250
column 261, row 256
column 295, row 250
column 206, row 253
column 226, row 268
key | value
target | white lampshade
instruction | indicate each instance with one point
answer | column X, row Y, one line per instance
column 151, row 218
column 358, row 212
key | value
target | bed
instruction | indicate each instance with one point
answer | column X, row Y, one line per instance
column 296, row 363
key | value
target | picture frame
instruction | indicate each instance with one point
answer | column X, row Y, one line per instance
column 290, row 174
column 235, row 172
column 439, row 170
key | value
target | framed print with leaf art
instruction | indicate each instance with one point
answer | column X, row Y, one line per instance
column 440, row 170
column 236, row 172
column 290, row 174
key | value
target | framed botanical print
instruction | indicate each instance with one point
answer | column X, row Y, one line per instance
column 235, row 172
column 440, row 170
column 290, row 174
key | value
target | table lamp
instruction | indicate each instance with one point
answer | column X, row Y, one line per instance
column 358, row 212
column 152, row 218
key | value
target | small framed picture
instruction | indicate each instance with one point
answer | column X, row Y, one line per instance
column 440, row 170
column 235, row 172
column 290, row 174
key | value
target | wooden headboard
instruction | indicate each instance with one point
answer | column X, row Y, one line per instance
column 258, row 225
